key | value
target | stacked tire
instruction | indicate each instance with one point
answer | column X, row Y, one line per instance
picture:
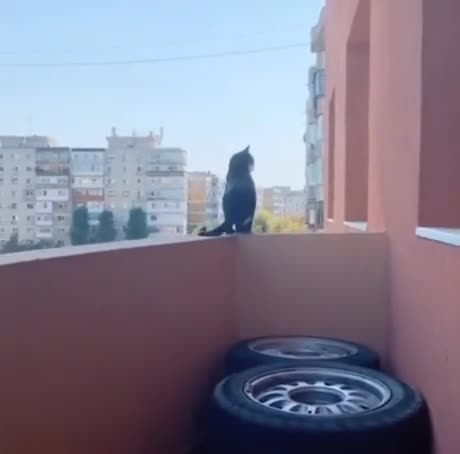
column 302, row 395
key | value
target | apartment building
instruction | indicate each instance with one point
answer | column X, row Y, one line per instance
column 204, row 200
column 282, row 201
column 17, row 185
column 87, row 168
column 165, row 187
column 53, row 202
column 141, row 173
column 315, row 129
column 295, row 204
column 274, row 199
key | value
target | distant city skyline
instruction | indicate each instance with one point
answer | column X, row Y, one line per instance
column 212, row 107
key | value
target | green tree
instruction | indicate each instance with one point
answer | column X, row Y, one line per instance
column 136, row 229
column 266, row 222
column 105, row 231
column 12, row 245
column 80, row 230
column 262, row 222
column 288, row 224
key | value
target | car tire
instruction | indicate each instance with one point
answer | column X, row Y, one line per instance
column 291, row 350
column 398, row 423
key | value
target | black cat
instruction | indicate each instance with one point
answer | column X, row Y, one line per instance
column 239, row 201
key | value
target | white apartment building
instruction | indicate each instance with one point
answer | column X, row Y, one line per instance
column 166, row 190
column 87, row 169
column 53, row 203
column 140, row 173
column 204, row 200
column 274, row 199
column 17, row 185
column 315, row 129
column 295, row 204
column 282, row 201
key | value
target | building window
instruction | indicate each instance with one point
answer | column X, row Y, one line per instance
column 319, row 83
column 30, row 206
column 153, row 218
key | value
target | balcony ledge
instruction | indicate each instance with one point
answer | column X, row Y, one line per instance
column 440, row 235
column 70, row 251
column 361, row 226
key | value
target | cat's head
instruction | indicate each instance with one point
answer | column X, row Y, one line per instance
column 241, row 164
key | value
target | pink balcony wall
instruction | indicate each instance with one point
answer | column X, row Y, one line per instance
column 414, row 107
column 113, row 351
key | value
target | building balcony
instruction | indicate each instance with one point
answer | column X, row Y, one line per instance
column 117, row 353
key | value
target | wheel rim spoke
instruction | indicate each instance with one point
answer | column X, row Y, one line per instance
column 318, row 392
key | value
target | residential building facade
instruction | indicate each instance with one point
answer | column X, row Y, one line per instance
column 283, row 201
column 87, row 170
column 53, row 201
column 204, row 200
column 295, row 204
column 17, row 186
column 166, row 190
column 274, row 199
column 315, row 129
column 141, row 173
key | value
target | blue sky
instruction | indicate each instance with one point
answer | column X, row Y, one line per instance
column 211, row 108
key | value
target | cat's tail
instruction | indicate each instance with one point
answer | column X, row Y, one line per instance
column 218, row 231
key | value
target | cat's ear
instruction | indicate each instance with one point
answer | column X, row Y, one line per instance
column 247, row 149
